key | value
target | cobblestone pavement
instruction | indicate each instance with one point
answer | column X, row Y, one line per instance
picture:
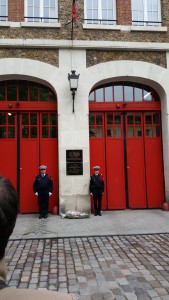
column 107, row 267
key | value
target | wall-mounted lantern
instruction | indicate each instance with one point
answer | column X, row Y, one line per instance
column 73, row 81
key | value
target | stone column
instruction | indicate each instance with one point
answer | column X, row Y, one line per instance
column 73, row 133
column 165, row 128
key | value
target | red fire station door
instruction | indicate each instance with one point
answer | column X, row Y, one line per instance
column 128, row 148
column 135, row 160
column 8, row 146
column 28, row 140
column 116, row 195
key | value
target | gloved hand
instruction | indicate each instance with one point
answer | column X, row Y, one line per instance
column 50, row 194
column 36, row 194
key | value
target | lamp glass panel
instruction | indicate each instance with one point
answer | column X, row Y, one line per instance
column 73, row 83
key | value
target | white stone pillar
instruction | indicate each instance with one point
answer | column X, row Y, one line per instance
column 73, row 133
column 165, row 128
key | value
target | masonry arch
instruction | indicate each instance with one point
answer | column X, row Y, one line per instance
column 142, row 73
column 28, row 127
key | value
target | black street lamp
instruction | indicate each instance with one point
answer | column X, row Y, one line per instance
column 73, row 81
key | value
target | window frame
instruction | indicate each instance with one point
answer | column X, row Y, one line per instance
column 4, row 18
column 100, row 13
column 147, row 93
column 34, row 19
column 145, row 21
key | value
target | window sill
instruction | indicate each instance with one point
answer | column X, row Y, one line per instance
column 103, row 27
column 4, row 24
column 40, row 24
column 125, row 27
column 149, row 28
column 29, row 24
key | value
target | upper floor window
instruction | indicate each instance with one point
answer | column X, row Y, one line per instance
column 146, row 12
column 22, row 90
column 123, row 92
column 100, row 12
column 3, row 10
column 41, row 11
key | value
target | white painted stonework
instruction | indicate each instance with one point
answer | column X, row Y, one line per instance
column 73, row 132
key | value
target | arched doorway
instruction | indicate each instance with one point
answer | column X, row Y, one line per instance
column 28, row 137
column 125, row 140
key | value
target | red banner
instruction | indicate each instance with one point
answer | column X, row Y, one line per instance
column 74, row 10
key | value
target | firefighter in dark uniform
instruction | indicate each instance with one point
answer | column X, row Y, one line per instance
column 97, row 189
column 43, row 188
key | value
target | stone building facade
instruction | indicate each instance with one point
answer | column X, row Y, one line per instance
column 44, row 52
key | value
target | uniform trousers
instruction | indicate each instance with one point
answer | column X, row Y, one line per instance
column 97, row 197
column 43, row 202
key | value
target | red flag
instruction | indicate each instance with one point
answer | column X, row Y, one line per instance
column 74, row 10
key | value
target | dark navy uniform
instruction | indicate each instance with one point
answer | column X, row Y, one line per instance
column 97, row 188
column 43, row 185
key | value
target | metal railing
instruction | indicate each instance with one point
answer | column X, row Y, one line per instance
column 146, row 23
column 101, row 21
column 114, row 22
column 3, row 18
column 41, row 19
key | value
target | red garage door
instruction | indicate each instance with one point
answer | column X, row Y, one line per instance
column 28, row 139
column 128, row 147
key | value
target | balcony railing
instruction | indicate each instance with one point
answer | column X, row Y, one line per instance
column 146, row 23
column 101, row 21
column 41, row 19
column 3, row 18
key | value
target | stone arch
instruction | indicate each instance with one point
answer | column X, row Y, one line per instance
column 141, row 72
column 28, row 69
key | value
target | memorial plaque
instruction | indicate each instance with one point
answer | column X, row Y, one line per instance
column 74, row 156
column 74, row 162
column 74, row 169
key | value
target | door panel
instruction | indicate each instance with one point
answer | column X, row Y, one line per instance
column 115, row 159
column 20, row 138
column 136, row 174
column 135, row 161
column 29, row 160
column 38, row 145
column 97, row 148
column 49, row 151
column 8, row 142
column 130, row 157
column 154, row 162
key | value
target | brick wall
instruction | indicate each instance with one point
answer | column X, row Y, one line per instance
column 16, row 10
column 49, row 56
column 124, row 12
column 94, row 57
column 123, row 7
column 16, row 13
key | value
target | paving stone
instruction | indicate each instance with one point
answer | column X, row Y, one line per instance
column 152, row 293
column 131, row 296
column 126, row 288
column 161, row 291
column 84, row 298
column 109, row 267
column 97, row 296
